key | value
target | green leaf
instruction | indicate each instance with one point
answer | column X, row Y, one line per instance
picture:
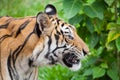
column 90, row 1
column 113, row 74
column 109, row 2
column 110, row 46
column 98, row 72
column 82, row 32
column 104, row 65
column 112, row 26
column 117, row 42
column 113, row 34
column 76, row 19
column 98, row 25
column 90, row 11
column 92, row 40
column 77, row 77
column 71, row 7
column 89, row 25
column 118, row 21
column 88, row 72
column 100, row 50
column 103, row 37
column 90, row 60
column 95, row 10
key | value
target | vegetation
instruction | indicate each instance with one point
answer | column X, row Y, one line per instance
column 97, row 22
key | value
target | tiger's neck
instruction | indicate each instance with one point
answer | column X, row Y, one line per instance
column 38, row 57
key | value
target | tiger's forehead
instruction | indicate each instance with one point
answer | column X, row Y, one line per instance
column 61, row 23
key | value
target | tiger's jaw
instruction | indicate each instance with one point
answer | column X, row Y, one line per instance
column 72, row 61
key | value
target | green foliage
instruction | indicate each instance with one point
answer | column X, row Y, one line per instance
column 55, row 73
column 98, row 72
column 97, row 22
column 71, row 7
column 114, row 32
column 118, row 43
column 113, row 74
column 94, row 10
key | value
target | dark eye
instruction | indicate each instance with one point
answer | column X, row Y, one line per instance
column 70, row 37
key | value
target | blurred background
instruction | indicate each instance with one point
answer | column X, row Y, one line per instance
column 97, row 23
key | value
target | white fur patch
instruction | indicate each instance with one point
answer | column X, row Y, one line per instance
column 39, row 54
column 67, row 30
column 76, row 67
column 48, row 9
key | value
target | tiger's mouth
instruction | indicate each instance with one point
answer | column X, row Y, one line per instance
column 70, row 59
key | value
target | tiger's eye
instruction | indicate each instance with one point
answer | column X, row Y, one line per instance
column 70, row 37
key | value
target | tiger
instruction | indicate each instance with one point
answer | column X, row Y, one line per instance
column 29, row 43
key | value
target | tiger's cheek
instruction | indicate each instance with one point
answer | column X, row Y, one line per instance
column 61, row 41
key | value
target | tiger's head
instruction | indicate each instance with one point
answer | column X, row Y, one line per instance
column 59, row 42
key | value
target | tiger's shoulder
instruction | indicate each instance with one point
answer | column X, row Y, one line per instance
column 11, row 25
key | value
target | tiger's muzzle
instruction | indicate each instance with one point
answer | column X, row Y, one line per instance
column 73, row 60
column 70, row 59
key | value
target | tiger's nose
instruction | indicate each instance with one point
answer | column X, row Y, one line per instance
column 85, row 51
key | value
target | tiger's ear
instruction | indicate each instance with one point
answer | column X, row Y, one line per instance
column 43, row 21
column 50, row 10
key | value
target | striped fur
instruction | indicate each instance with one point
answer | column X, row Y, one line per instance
column 30, row 42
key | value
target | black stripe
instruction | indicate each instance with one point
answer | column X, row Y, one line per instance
column 14, row 55
column 57, row 39
column 66, row 28
column 6, row 23
column 22, row 26
column 62, row 24
column 37, row 30
column 4, row 26
column 53, row 61
column 61, row 31
column 30, row 62
column 58, row 48
column 5, row 36
column 58, row 21
column 30, row 76
column 65, row 49
column 55, row 55
column 9, row 67
column 70, row 26
column 57, row 31
column 1, row 16
column 10, row 70
column 66, row 40
column 13, row 68
column 9, row 20
column 52, row 19
column 49, row 43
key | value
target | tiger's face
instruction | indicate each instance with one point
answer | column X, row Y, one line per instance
column 59, row 42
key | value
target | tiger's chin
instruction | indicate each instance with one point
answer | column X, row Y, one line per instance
column 76, row 67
